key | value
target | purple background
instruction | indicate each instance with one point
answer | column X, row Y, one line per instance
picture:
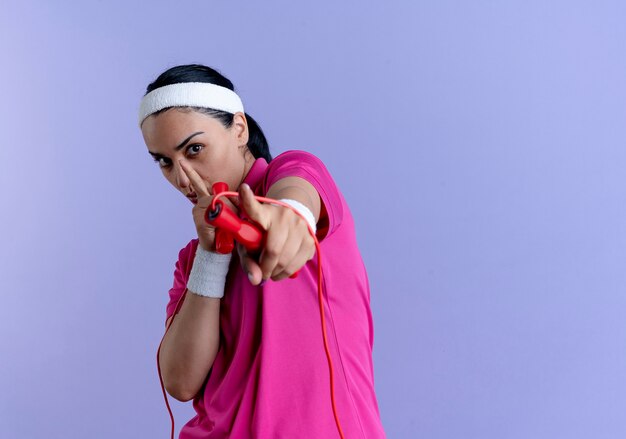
column 489, row 134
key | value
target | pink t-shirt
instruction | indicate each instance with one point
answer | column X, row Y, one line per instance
column 270, row 378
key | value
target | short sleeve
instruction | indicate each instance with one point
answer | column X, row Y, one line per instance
column 181, row 276
column 295, row 163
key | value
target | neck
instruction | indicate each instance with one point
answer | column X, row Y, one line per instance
column 249, row 161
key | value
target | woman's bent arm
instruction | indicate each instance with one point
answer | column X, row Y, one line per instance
column 190, row 346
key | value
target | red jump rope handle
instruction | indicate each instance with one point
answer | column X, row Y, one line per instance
column 229, row 227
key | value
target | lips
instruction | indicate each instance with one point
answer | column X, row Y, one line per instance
column 193, row 198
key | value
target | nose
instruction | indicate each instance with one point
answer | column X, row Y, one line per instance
column 182, row 181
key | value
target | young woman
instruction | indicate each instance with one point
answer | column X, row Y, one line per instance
column 246, row 342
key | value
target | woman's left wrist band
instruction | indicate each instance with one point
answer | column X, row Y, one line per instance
column 301, row 208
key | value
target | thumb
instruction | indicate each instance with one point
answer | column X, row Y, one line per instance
column 254, row 210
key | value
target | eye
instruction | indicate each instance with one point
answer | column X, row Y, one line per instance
column 162, row 164
column 196, row 148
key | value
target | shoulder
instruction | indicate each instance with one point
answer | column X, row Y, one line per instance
column 297, row 163
column 295, row 155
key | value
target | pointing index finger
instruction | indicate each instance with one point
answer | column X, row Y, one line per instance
column 199, row 185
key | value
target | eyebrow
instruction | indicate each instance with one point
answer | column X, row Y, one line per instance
column 179, row 147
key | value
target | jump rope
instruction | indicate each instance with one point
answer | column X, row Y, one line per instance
column 229, row 228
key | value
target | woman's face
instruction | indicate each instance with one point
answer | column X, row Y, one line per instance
column 215, row 152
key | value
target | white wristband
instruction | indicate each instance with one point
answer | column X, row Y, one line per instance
column 208, row 273
column 303, row 210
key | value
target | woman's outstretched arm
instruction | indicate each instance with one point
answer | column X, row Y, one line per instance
column 288, row 245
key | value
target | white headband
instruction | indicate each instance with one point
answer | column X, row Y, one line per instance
column 190, row 94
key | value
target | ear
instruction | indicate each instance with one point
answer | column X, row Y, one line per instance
column 240, row 128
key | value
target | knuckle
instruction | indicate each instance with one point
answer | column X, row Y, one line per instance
column 286, row 214
column 271, row 251
column 310, row 252
column 298, row 221
column 289, row 269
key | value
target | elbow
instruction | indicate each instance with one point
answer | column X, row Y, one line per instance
column 184, row 397
column 183, row 375
column 180, row 393
column 176, row 386
column 184, row 385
